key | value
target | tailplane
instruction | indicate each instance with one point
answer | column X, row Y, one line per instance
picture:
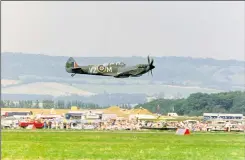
column 71, row 64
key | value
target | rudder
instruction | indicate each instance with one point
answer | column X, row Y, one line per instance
column 71, row 64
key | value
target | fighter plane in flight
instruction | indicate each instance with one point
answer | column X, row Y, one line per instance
column 117, row 70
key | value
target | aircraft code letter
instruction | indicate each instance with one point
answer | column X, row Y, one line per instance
column 108, row 69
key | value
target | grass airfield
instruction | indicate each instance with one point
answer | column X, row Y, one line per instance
column 120, row 145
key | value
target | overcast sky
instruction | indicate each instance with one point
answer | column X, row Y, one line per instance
column 196, row 29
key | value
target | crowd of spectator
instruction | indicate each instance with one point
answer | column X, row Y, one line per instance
column 135, row 124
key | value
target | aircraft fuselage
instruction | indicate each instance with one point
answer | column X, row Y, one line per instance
column 117, row 70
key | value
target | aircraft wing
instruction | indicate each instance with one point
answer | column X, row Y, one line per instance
column 125, row 71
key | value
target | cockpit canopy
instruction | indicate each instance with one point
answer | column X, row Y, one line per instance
column 115, row 64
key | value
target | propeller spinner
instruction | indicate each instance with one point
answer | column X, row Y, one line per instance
column 150, row 62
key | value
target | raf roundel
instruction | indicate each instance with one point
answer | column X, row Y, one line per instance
column 101, row 68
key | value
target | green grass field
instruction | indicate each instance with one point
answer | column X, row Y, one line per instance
column 39, row 144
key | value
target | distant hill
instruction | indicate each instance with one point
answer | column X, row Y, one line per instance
column 172, row 75
column 49, row 88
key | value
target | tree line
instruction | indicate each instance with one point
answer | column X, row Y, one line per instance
column 59, row 104
column 198, row 103
column 47, row 104
column 195, row 105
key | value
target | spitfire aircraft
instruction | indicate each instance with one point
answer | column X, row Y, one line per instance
column 117, row 70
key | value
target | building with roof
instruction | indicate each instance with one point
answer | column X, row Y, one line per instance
column 222, row 116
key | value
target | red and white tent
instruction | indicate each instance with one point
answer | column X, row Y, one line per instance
column 181, row 131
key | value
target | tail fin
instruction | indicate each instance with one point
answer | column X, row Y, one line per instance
column 71, row 64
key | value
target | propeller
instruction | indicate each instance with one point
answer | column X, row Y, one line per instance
column 151, row 66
